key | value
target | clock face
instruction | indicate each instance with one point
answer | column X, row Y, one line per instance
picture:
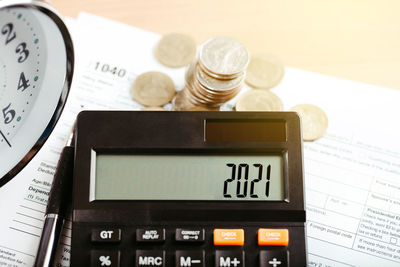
column 33, row 73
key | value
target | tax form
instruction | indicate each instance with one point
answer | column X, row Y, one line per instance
column 352, row 174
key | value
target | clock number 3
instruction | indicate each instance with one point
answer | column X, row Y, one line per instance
column 23, row 52
column 8, row 114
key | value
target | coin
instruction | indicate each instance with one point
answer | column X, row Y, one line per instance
column 217, row 75
column 181, row 101
column 258, row 100
column 313, row 119
column 176, row 50
column 201, row 108
column 224, row 56
column 153, row 89
column 153, row 109
column 264, row 71
column 216, row 84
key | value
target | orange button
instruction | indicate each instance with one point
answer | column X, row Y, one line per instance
column 273, row 237
column 228, row 237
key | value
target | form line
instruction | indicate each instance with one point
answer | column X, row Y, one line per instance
column 19, row 230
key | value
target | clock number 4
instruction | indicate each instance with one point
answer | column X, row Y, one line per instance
column 23, row 82
column 8, row 114
column 8, row 30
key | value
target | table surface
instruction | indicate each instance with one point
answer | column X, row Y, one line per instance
column 357, row 39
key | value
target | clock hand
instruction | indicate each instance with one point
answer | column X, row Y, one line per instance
column 5, row 138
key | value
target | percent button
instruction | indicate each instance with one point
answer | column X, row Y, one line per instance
column 100, row 258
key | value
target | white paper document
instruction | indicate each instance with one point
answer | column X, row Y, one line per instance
column 352, row 174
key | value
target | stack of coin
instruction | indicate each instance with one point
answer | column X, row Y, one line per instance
column 216, row 77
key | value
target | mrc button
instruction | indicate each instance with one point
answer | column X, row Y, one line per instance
column 150, row 235
column 189, row 235
column 150, row 258
column 106, row 235
column 228, row 237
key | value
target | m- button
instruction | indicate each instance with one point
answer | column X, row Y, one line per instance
column 190, row 258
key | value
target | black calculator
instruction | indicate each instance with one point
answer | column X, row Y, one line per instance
column 188, row 189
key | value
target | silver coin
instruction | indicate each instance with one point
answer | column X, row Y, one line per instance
column 224, row 56
column 217, row 84
column 181, row 102
column 176, row 50
column 259, row 100
column 314, row 121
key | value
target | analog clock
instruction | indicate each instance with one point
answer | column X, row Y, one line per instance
column 36, row 66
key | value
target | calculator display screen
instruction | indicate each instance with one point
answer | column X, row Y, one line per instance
column 187, row 177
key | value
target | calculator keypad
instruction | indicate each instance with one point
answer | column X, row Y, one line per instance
column 152, row 247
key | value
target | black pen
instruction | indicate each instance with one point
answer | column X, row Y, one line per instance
column 59, row 199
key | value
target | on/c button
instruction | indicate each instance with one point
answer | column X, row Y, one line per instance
column 273, row 237
column 228, row 237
